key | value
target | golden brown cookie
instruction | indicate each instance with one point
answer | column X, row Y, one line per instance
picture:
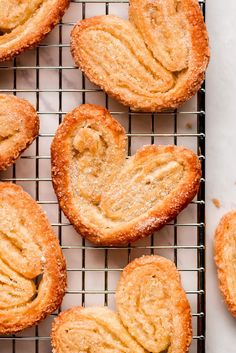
column 153, row 315
column 153, row 62
column 109, row 198
column 92, row 330
column 153, row 305
column 19, row 126
column 32, row 267
column 225, row 258
column 24, row 23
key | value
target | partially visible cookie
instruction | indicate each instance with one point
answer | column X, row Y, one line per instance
column 24, row 23
column 32, row 267
column 94, row 329
column 153, row 62
column 153, row 306
column 225, row 258
column 153, row 315
column 19, row 126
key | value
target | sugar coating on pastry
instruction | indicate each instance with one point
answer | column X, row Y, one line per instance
column 109, row 198
column 24, row 23
column 32, row 267
column 153, row 62
column 225, row 258
column 153, row 315
column 94, row 329
column 153, row 306
column 19, row 126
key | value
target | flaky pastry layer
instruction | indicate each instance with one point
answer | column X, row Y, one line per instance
column 32, row 267
column 94, row 329
column 23, row 24
column 153, row 315
column 19, row 126
column 153, row 305
column 225, row 258
column 153, row 62
column 109, row 198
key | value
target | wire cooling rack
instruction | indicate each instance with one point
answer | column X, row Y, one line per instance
column 47, row 77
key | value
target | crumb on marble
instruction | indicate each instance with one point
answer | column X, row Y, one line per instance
column 217, row 203
column 189, row 126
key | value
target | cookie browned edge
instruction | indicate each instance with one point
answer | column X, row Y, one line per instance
column 146, row 226
column 55, row 262
column 200, row 48
column 60, row 320
column 170, row 268
column 219, row 245
column 31, row 121
column 167, row 266
column 48, row 21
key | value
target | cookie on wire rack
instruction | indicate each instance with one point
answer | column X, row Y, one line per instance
column 111, row 199
column 23, row 24
column 153, row 315
column 153, row 62
column 19, row 126
column 32, row 267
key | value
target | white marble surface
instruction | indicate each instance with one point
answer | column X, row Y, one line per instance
column 221, row 158
column 221, row 172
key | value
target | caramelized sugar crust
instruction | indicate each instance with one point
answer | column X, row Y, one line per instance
column 24, row 23
column 153, row 315
column 32, row 267
column 110, row 198
column 19, row 126
column 153, row 62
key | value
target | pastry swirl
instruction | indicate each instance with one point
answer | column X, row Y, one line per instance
column 153, row 62
column 32, row 267
column 109, row 198
column 24, row 23
column 225, row 258
column 92, row 330
column 153, row 305
column 153, row 315
column 19, row 126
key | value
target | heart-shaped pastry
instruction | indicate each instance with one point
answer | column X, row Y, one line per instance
column 24, row 23
column 225, row 257
column 19, row 126
column 153, row 315
column 109, row 198
column 92, row 330
column 153, row 62
column 32, row 267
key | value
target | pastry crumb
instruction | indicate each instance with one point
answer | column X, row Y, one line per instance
column 216, row 202
column 189, row 126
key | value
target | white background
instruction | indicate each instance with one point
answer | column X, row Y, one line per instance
column 221, row 158
column 221, row 168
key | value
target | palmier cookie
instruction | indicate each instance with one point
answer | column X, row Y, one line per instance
column 109, row 198
column 153, row 315
column 153, row 62
column 225, row 257
column 32, row 267
column 19, row 126
column 24, row 23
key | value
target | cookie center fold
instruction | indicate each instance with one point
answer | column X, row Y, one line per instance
column 116, row 189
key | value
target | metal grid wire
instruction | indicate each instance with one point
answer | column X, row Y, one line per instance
column 94, row 271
